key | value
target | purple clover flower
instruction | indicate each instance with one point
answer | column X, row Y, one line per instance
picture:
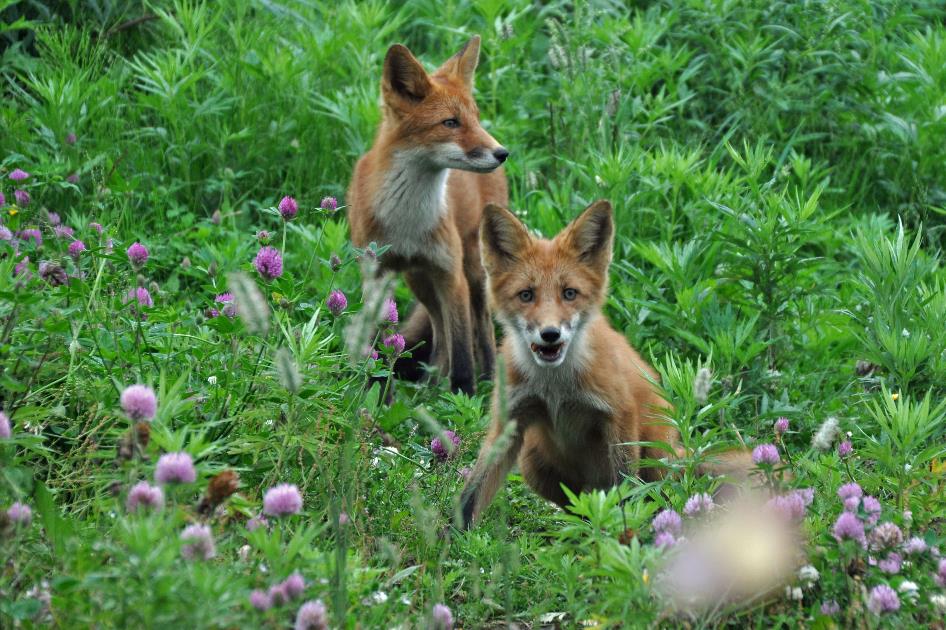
column 390, row 311
column 791, row 506
column 20, row 514
column 139, row 402
column 336, row 302
column 329, row 203
column 282, row 500
column 18, row 175
column 198, row 543
column 698, row 504
column 3, row 199
column 97, row 227
column 139, row 295
column 850, row 490
column 891, row 564
column 851, row 504
column 830, row 608
column 288, row 208
column 5, row 234
column 63, row 231
column 765, row 454
column 294, row 585
column 22, row 197
column 668, row 521
column 441, row 616
column 940, row 576
column 872, row 507
column 664, row 540
column 145, row 496
column 312, row 615
column 395, row 342
column 262, row 236
column 22, row 269
column 71, row 138
column 914, row 546
column 175, row 468
column 883, row 599
column 268, row 263
column 781, row 426
column 845, row 448
column 441, row 450
column 260, row 600
column 31, row 234
column 75, row 249
column 5, row 430
column 849, row 527
column 53, row 218
column 137, row 254
column 73, row 178
column 886, row 536
column 256, row 522
column 53, row 273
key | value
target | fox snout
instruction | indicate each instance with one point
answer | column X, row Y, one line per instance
column 549, row 340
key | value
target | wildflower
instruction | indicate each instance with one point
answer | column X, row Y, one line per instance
column 229, row 308
column 781, row 426
column 830, row 608
column 294, row 585
column 260, row 600
column 175, row 468
column 808, row 574
column 891, row 564
column 53, row 218
column 851, row 504
column 343, row 519
column 288, row 208
column 441, row 449
column 765, row 454
column 63, row 231
column 329, row 203
column 76, row 248
column 268, row 263
column 22, row 197
column 31, row 234
column 252, row 306
column 73, row 178
column 390, row 311
column 794, row 593
column 701, row 385
column 71, row 138
column 466, row 472
column 664, row 540
column 939, row 602
column 845, row 448
column 262, row 236
column 144, row 495
column 882, row 599
column 909, row 589
column 334, row 262
column 826, row 434
column 137, row 254
column 5, row 431
column 18, row 175
column 312, row 615
column 885, row 536
column 282, row 500
column 872, row 507
column 395, row 342
column 668, row 521
column 53, row 274
column 698, row 504
column 21, row 269
column 849, row 527
column 20, row 514
column 336, row 302
column 256, row 522
column 850, row 490
column 3, row 200
column 5, row 233
column 940, row 576
column 914, row 546
column 198, row 543
column 790, row 506
column 139, row 295
column 895, row 396
column 442, row 617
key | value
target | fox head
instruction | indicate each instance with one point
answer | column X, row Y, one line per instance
column 545, row 292
column 436, row 112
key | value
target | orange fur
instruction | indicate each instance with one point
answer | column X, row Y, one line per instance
column 573, row 415
column 420, row 190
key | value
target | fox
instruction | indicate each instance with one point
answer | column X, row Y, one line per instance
column 420, row 190
column 579, row 398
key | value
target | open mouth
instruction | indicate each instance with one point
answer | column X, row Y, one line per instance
column 550, row 353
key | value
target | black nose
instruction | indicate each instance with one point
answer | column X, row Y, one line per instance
column 550, row 335
column 500, row 154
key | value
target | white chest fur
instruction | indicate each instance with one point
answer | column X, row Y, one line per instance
column 411, row 203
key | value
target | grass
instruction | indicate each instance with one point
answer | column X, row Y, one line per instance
column 776, row 170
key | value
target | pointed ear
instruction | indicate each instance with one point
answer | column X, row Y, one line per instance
column 403, row 75
column 503, row 238
column 591, row 235
column 463, row 64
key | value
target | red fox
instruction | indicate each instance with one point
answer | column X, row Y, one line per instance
column 420, row 190
column 578, row 396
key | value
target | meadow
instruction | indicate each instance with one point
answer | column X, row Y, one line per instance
column 777, row 173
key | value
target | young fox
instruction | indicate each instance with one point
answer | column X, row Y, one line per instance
column 575, row 391
column 421, row 190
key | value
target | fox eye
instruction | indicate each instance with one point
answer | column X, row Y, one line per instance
column 527, row 295
column 451, row 123
column 570, row 294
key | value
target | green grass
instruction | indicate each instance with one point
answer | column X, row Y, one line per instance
column 776, row 171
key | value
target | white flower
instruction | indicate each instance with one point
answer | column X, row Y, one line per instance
column 794, row 593
column 907, row 467
column 599, row 181
column 808, row 574
column 378, row 597
column 824, row 438
column 244, row 553
column 212, row 379
column 905, row 333
column 909, row 589
column 939, row 602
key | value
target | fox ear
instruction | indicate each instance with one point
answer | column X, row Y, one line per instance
column 403, row 75
column 591, row 235
column 463, row 64
column 503, row 238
